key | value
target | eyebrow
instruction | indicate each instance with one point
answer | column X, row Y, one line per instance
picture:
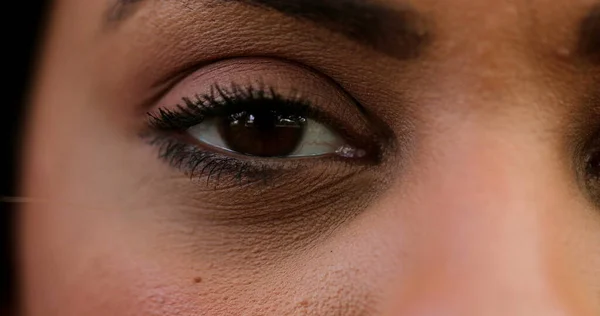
column 589, row 35
column 397, row 32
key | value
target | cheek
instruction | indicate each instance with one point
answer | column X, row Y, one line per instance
column 129, row 285
column 72, row 266
column 104, row 271
column 115, row 283
column 114, row 286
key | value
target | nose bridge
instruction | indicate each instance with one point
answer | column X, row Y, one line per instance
column 488, row 210
column 485, row 204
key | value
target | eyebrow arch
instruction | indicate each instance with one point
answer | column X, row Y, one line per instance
column 397, row 32
column 589, row 35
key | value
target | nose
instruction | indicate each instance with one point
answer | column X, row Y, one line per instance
column 491, row 221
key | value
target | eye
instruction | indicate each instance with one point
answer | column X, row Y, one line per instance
column 592, row 172
column 269, row 132
column 262, row 119
column 251, row 130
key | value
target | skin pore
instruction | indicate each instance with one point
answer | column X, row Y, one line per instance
column 461, row 174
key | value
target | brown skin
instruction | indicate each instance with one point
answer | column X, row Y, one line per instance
column 479, row 206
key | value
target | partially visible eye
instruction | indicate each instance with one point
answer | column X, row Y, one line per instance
column 593, row 166
column 592, row 172
column 590, row 169
column 268, row 132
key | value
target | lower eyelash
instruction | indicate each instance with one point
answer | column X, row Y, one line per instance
column 212, row 166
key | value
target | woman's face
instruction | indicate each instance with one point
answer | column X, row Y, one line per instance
column 287, row 157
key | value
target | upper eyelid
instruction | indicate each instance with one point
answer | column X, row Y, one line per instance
column 222, row 99
column 237, row 99
column 288, row 79
column 176, row 50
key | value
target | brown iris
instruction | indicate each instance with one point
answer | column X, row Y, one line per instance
column 263, row 133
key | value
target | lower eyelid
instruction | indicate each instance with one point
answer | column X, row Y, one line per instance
column 198, row 163
column 222, row 169
column 196, row 160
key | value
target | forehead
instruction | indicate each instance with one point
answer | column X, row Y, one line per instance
column 478, row 32
column 485, row 34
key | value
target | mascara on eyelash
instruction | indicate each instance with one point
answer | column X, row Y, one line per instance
column 224, row 101
column 198, row 164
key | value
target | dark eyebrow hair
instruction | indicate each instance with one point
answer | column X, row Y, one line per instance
column 589, row 35
column 397, row 32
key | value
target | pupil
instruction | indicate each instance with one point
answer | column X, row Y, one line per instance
column 263, row 133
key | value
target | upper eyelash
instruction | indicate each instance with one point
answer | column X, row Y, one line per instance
column 222, row 101
column 198, row 163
